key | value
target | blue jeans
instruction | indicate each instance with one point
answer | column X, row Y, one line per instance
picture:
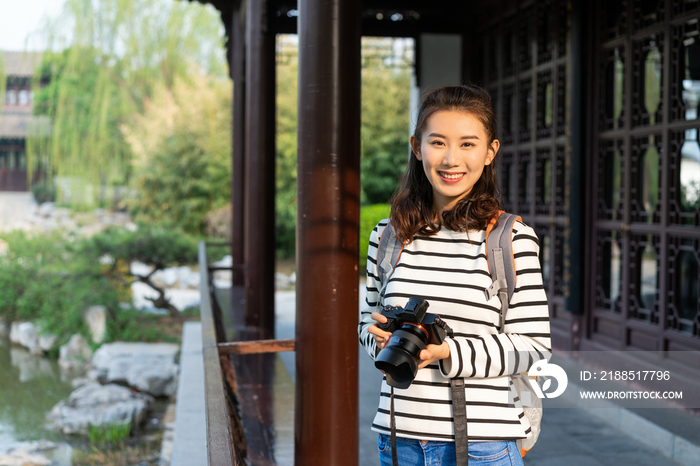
column 411, row 452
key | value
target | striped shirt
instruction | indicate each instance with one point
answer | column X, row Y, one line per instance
column 450, row 271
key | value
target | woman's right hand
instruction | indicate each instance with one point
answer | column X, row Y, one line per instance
column 380, row 336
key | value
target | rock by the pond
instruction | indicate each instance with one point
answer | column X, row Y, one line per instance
column 35, row 453
column 26, row 334
column 75, row 354
column 97, row 405
column 96, row 319
column 46, row 342
column 148, row 367
column 24, row 459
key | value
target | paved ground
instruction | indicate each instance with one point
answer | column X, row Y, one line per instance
column 570, row 436
column 573, row 437
column 14, row 208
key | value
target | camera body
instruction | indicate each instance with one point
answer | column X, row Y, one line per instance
column 412, row 329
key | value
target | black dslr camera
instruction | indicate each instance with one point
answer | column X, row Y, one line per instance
column 412, row 329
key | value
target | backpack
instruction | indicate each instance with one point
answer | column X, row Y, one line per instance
column 499, row 254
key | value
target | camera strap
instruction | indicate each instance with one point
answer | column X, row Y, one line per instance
column 394, row 457
column 459, row 412
column 460, row 420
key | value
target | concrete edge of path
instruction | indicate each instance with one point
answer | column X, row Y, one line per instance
column 190, row 443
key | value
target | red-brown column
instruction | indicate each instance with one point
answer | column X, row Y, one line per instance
column 326, row 415
column 237, row 64
column 260, row 170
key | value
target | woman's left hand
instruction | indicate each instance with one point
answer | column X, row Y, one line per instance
column 434, row 353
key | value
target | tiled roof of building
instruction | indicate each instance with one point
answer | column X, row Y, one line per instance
column 20, row 64
column 18, row 125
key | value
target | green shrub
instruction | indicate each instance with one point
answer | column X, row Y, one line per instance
column 51, row 280
column 47, row 279
column 130, row 324
column 159, row 246
column 369, row 217
column 44, row 193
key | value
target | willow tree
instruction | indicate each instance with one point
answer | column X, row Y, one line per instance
column 107, row 58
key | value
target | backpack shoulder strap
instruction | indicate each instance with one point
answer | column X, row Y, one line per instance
column 499, row 253
column 388, row 255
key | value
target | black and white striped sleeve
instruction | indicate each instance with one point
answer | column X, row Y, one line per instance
column 525, row 338
column 373, row 285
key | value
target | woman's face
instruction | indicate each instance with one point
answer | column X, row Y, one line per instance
column 454, row 151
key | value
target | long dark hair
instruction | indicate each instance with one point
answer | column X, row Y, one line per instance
column 412, row 209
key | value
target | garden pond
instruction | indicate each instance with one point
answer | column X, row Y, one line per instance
column 31, row 385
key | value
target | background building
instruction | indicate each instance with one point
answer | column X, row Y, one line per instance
column 16, row 117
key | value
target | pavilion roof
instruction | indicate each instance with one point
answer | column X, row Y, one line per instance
column 20, row 64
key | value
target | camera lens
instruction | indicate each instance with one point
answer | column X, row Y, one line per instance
column 399, row 358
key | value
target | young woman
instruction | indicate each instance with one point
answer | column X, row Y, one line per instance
column 441, row 212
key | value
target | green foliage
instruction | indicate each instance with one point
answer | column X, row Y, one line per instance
column 286, row 150
column 109, row 434
column 157, row 245
column 370, row 215
column 115, row 54
column 182, row 148
column 43, row 192
column 130, row 324
column 47, row 279
column 85, row 108
column 52, row 280
column 385, row 125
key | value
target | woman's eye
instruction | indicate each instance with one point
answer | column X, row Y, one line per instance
column 436, row 143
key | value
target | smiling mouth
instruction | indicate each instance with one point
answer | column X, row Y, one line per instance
column 451, row 176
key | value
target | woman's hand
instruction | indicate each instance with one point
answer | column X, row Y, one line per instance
column 434, row 353
column 380, row 336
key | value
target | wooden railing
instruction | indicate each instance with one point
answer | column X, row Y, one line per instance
column 226, row 406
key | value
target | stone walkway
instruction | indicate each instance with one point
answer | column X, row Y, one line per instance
column 14, row 209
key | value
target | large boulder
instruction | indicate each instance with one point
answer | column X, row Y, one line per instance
column 148, row 367
column 98, row 405
column 26, row 334
column 75, row 354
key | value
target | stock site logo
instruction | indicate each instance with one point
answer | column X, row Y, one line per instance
column 549, row 371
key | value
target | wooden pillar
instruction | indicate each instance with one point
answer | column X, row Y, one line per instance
column 328, row 207
column 237, row 64
column 260, row 170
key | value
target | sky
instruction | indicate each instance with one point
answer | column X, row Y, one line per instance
column 20, row 18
